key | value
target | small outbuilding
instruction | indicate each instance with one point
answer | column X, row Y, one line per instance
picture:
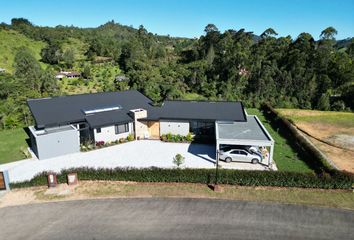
column 56, row 141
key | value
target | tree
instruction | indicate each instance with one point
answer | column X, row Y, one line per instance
column 27, row 70
column 323, row 102
column 329, row 33
column 49, row 82
column 210, row 28
column 51, row 54
column 270, row 32
column 69, row 57
column 86, row 73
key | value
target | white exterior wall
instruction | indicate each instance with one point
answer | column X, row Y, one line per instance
column 108, row 134
column 174, row 127
column 141, row 129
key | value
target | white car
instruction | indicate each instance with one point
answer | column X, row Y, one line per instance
column 240, row 155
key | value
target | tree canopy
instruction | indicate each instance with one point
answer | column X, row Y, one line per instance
column 229, row 65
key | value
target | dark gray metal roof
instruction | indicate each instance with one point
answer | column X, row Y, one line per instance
column 56, row 111
column 108, row 118
column 69, row 109
column 250, row 130
column 200, row 110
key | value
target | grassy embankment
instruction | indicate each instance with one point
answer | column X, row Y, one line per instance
column 10, row 42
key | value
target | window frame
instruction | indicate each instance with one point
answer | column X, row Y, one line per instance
column 126, row 128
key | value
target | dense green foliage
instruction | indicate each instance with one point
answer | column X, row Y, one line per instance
column 334, row 179
column 233, row 65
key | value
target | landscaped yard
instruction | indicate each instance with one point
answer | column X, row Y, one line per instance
column 13, row 145
column 287, row 156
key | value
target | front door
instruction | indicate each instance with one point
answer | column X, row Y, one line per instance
column 154, row 129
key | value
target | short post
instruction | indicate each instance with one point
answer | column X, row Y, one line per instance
column 216, row 186
column 52, row 180
column 72, row 179
column 4, row 180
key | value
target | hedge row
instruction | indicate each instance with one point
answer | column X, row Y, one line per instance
column 314, row 156
column 330, row 180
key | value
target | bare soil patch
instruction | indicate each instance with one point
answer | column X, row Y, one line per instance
column 334, row 138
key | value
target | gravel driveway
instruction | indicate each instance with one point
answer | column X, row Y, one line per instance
column 138, row 154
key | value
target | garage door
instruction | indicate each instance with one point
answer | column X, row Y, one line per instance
column 2, row 181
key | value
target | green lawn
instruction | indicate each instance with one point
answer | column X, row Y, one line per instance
column 287, row 156
column 341, row 119
column 13, row 145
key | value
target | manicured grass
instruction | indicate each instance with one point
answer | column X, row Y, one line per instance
column 341, row 119
column 12, row 145
column 325, row 198
column 287, row 156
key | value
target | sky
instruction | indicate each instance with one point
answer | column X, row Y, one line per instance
column 188, row 18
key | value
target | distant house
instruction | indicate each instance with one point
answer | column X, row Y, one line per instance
column 63, row 74
column 121, row 78
column 60, row 76
column 73, row 75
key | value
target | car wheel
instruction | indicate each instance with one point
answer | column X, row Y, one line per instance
column 228, row 159
column 254, row 161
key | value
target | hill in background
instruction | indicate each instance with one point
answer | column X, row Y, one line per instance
column 11, row 41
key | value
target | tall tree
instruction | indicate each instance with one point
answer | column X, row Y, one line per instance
column 27, row 69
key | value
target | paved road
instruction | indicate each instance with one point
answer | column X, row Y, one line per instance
column 173, row 219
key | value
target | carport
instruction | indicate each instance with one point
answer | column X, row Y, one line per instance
column 250, row 133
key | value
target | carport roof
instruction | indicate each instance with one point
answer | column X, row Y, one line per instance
column 247, row 131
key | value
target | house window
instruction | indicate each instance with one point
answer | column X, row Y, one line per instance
column 122, row 128
column 98, row 130
column 202, row 128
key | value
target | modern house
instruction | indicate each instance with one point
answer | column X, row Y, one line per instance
column 65, row 122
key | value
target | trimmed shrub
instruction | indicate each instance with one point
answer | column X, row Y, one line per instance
column 331, row 180
column 130, row 137
column 169, row 137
